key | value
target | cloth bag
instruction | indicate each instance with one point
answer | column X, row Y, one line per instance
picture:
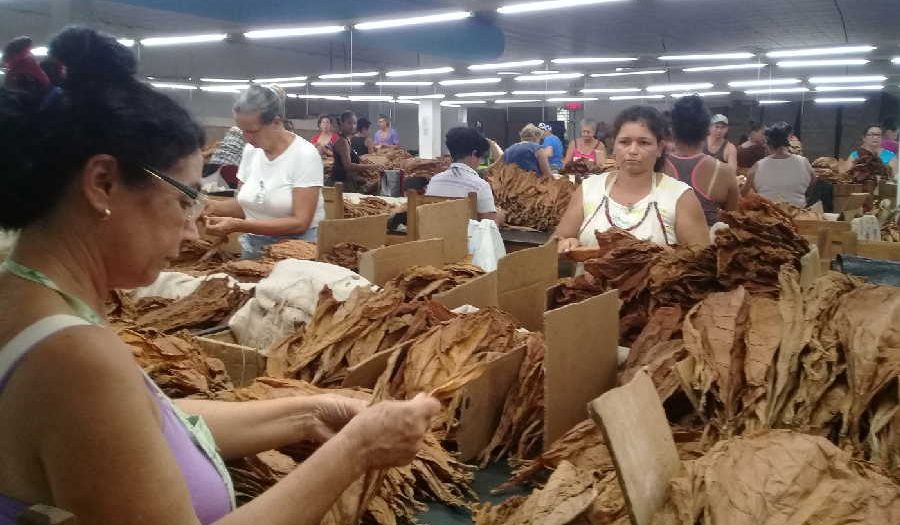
column 485, row 244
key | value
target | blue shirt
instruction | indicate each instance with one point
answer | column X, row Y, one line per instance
column 523, row 154
column 557, row 157
column 886, row 155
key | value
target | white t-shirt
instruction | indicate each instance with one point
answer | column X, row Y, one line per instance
column 267, row 190
column 784, row 180
column 459, row 181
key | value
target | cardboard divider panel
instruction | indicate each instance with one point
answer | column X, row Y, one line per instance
column 333, row 198
column 383, row 264
column 480, row 292
column 886, row 251
column 523, row 278
column 243, row 363
column 370, row 232
column 449, row 221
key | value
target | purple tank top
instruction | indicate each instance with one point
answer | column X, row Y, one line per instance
column 685, row 170
column 209, row 494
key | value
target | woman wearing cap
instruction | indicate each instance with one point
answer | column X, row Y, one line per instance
column 281, row 178
column 84, row 429
column 637, row 198
column 552, row 142
column 717, row 144
column 587, row 146
column 386, row 135
column 782, row 176
column 528, row 153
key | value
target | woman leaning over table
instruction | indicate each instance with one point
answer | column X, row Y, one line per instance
column 281, row 178
column 637, row 198
column 105, row 207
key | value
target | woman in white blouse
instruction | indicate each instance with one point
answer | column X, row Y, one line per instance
column 281, row 178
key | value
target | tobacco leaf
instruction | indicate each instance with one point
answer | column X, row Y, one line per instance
column 345, row 254
column 290, row 249
column 367, row 207
column 529, row 200
column 211, row 304
column 422, row 282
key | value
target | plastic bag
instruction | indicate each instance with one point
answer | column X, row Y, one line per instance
column 485, row 244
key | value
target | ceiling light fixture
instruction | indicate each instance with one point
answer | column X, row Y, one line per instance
column 338, row 83
column 406, row 101
column 766, row 82
column 293, row 31
column 550, row 92
column 823, row 63
column 840, row 100
column 637, row 97
column 545, row 72
column 413, row 21
column 505, row 65
column 417, row 97
column 458, row 103
column 508, row 73
column 469, row 81
column 771, row 91
column 821, row 51
column 177, row 40
column 40, row 51
column 772, row 102
column 593, row 60
column 611, row 90
column 225, row 80
column 728, row 67
column 629, row 73
column 547, row 78
column 701, row 94
column 516, row 101
column 333, row 76
column 572, row 99
column 895, row 60
column 847, row 80
column 224, row 88
column 416, row 72
column 710, row 56
column 371, row 98
column 174, row 85
column 666, row 88
column 404, row 83
column 482, row 94
column 864, row 87
column 275, row 80
column 530, row 7
column 320, row 97
column 127, row 42
column 285, row 85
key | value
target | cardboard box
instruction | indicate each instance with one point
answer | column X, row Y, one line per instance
column 370, row 232
column 333, row 198
column 383, row 264
column 885, row 251
column 449, row 221
column 243, row 364
column 480, row 292
column 523, row 278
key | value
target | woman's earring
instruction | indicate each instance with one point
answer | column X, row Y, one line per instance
column 106, row 214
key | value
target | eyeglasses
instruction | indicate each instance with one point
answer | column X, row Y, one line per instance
column 873, row 134
column 197, row 197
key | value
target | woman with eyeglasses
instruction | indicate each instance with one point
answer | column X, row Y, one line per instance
column 101, row 207
column 872, row 142
column 281, row 177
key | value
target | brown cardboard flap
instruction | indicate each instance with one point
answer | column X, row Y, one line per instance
column 581, row 360
column 640, row 441
column 482, row 404
column 383, row 264
column 333, row 198
column 370, row 232
column 449, row 221
column 886, row 251
column 243, row 364
column 523, row 278
column 480, row 292
column 812, row 228
column 366, row 374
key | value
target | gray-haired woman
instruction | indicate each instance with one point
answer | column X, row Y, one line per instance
column 281, row 178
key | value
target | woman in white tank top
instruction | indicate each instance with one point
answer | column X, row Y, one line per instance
column 638, row 198
column 782, row 176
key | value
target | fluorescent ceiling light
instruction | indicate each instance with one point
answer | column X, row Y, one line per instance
column 332, row 76
column 771, row 102
column 224, row 88
column 127, row 42
column 275, row 80
column 371, row 98
column 188, row 39
column 610, row 90
column 572, row 99
column 40, row 51
column 508, row 73
column 468, row 81
column 771, row 91
column 405, row 101
column 840, row 100
column 457, row 103
column 843, row 50
column 293, row 31
column 728, row 67
column 629, row 73
column 530, row 7
column 637, row 97
column 701, row 94
column 516, row 101
column 823, row 63
column 545, row 72
column 864, row 87
column 666, row 88
column 320, row 97
column 338, row 83
column 416, row 72
column 414, row 21
column 505, row 65
column 550, row 92
column 895, row 60
column 417, row 97
column 174, row 85
column 225, row 80
column 482, row 94
column 289, row 85
column 847, row 80
column 594, row 60
column 545, row 78
column 766, row 82
column 712, row 56
column 449, row 105
column 400, row 83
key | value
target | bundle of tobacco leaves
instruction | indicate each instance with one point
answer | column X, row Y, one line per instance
column 422, row 282
column 367, row 206
column 869, row 168
column 578, row 167
column 827, row 168
column 346, row 255
column 684, row 276
column 200, row 256
column 290, row 249
column 529, row 200
column 211, row 304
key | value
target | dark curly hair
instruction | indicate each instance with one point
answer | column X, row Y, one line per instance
column 778, row 135
column 690, row 120
column 99, row 108
column 649, row 117
column 462, row 141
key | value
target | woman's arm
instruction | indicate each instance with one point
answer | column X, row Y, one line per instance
column 342, row 149
column 750, row 185
column 731, row 157
column 690, row 223
column 496, row 150
column 224, row 208
column 728, row 177
column 570, row 152
column 543, row 158
column 569, row 224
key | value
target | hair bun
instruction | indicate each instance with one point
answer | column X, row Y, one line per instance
column 90, row 56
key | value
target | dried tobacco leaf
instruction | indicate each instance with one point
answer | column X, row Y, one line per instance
column 201, row 256
column 291, row 249
column 211, row 304
column 684, row 276
column 346, row 255
column 249, row 270
column 367, row 207
column 422, row 282
column 529, row 200
column 427, row 168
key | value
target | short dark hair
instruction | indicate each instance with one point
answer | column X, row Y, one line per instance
column 649, row 117
column 756, row 126
column 778, row 135
column 363, row 123
column 347, row 115
column 385, row 117
column 462, row 141
column 890, row 124
column 690, row 120
column 870, row 126
column 99, row 109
